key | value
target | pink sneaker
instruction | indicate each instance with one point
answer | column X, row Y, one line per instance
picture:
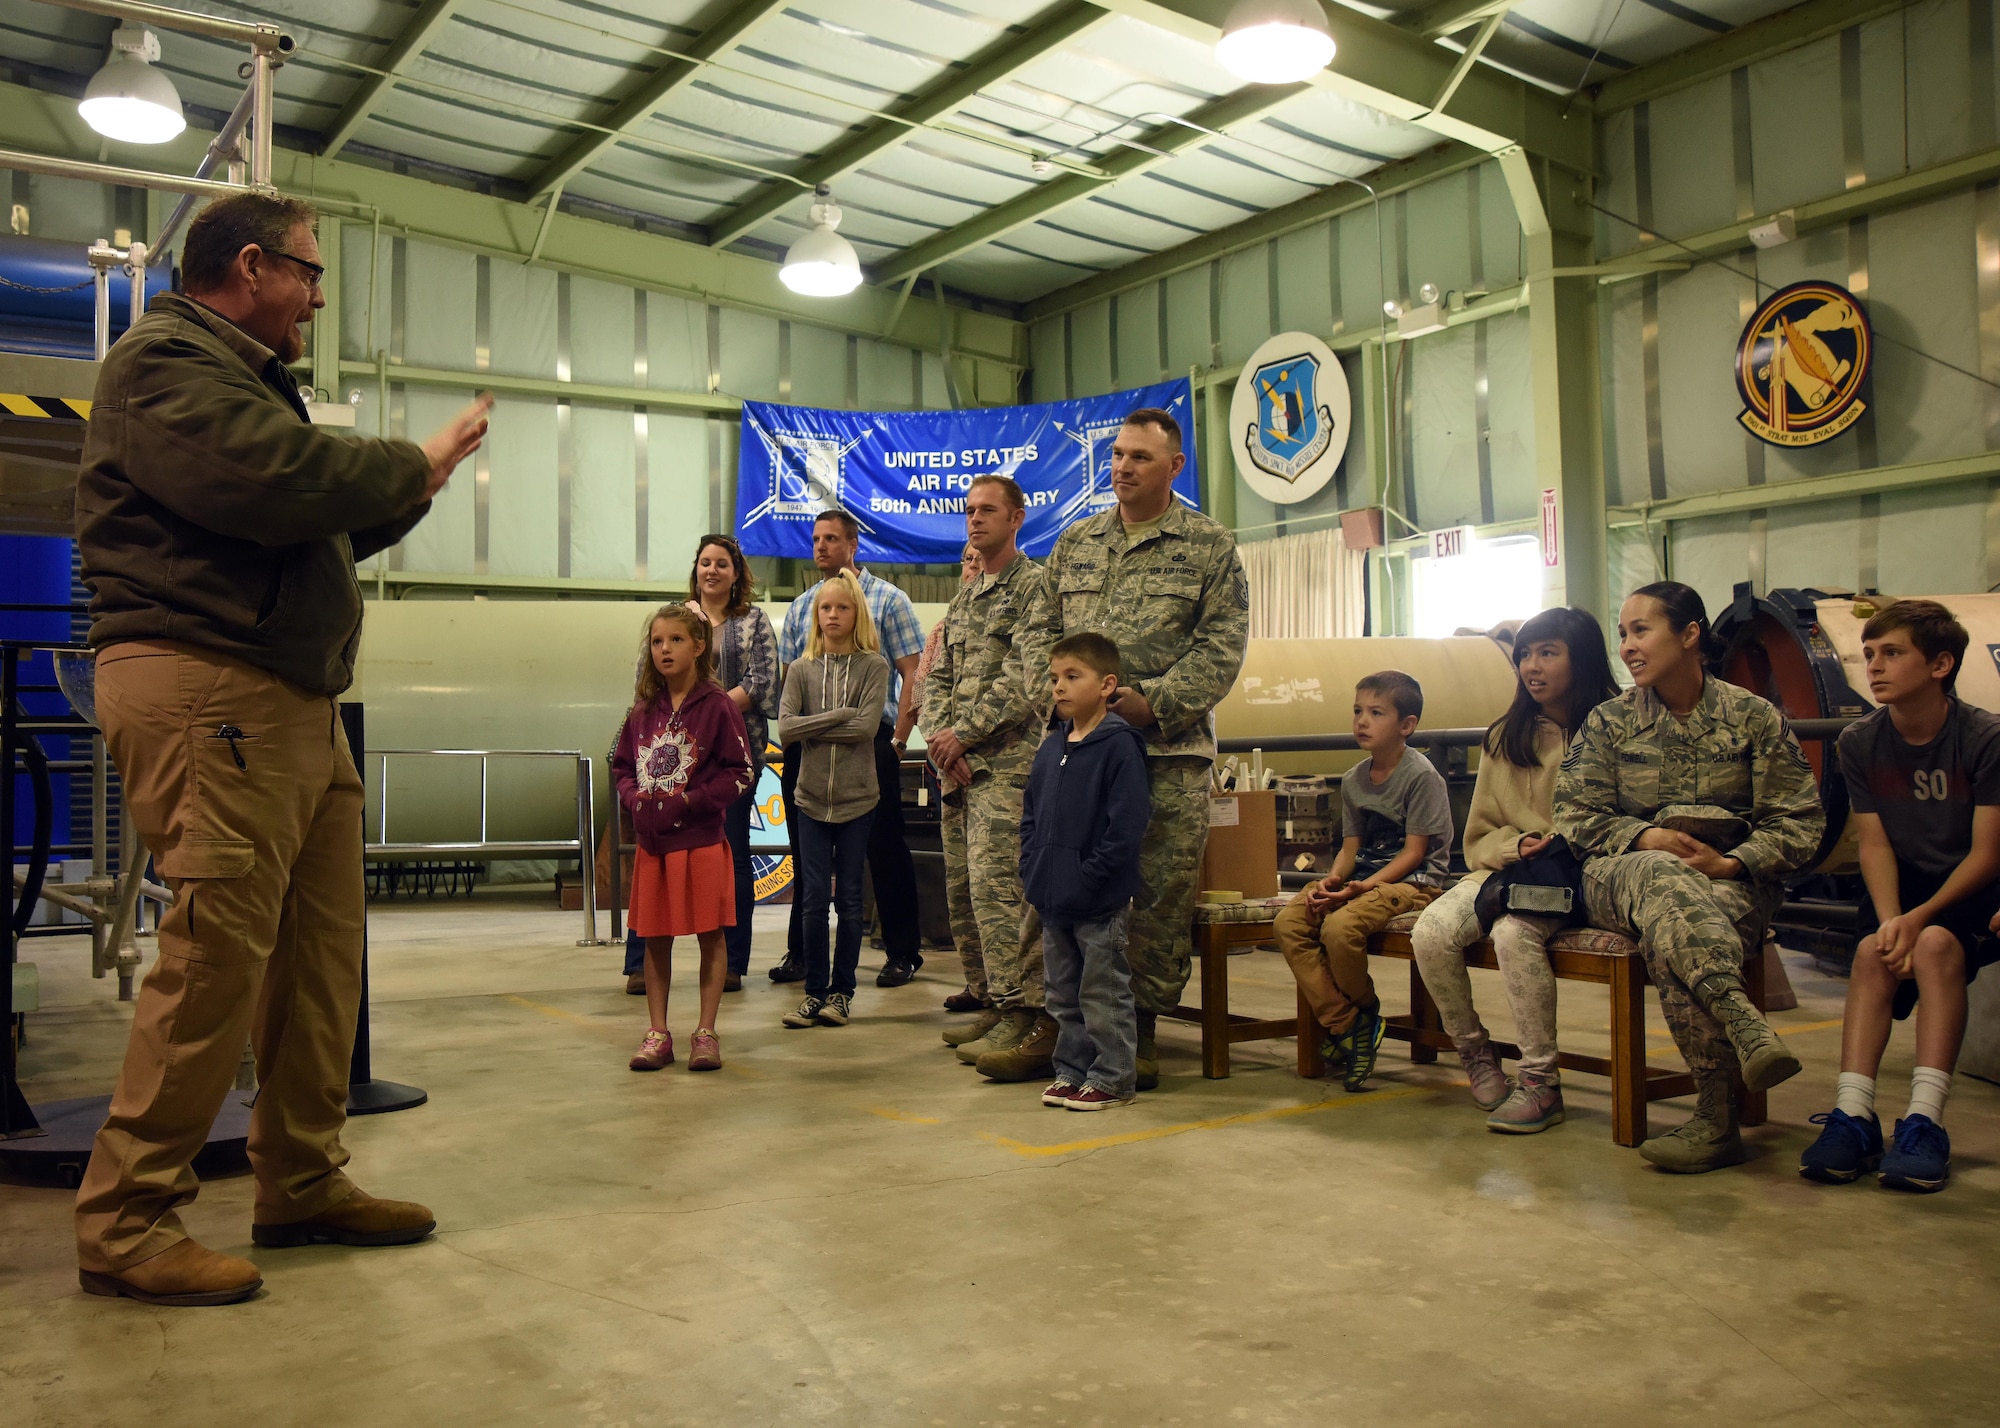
column 655, row 1051
column 1058, row 1094
column 707, row 1052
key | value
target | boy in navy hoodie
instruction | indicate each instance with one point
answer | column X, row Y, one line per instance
column 1082, row 820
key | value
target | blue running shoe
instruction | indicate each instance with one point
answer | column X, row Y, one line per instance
column 1846, row 1150
column 1366, row 1037
column 1919, row 1156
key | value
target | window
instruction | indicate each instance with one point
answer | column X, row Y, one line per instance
column 1494, row 580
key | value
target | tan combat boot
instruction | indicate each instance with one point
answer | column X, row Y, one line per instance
column 1766, row 1060
column 360, row 1219
column 1009, row 1029
column 1709, row 1140
column 973, row 1030
column 1029, row 1059
column 1146, row 1058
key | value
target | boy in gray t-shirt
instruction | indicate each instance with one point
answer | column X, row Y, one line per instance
column 1394, row 851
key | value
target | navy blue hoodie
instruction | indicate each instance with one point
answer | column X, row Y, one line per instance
column 1080, row 856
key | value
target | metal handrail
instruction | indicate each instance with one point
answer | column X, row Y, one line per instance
column 581, row 846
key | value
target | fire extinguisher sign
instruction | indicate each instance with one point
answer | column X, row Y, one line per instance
column 1551, row 537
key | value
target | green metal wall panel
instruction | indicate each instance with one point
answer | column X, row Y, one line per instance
column 602, row 511
column 1090, row 349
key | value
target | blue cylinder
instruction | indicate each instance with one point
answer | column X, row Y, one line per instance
column 54, row 323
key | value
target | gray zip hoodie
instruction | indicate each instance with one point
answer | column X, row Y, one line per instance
column 833, row 706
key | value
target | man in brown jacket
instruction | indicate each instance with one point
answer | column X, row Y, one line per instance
column 219, row 530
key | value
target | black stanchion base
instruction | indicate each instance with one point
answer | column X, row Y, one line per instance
column 61, row 1152
column 372, row 1098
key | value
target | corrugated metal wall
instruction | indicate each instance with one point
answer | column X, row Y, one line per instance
column 1330, row 279
column 582, row 489
column 1891, row 96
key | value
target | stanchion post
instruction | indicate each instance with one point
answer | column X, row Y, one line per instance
column 365, row 1095
column 586, row 845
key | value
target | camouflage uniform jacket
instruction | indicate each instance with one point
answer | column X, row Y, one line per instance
column 974, row 689
column 1176, row 604
column 1734, row 750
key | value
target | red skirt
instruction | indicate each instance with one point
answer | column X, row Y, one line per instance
column 679, row 894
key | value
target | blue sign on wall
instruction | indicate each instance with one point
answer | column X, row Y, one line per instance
column 904, row 475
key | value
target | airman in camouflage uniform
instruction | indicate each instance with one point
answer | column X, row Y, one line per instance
column 1732, row 753
column 978, row 693
column 1174, row 599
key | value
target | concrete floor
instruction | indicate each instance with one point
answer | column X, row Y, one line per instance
column 849, row 1227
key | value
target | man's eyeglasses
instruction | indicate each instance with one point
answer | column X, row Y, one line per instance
column 313, row 271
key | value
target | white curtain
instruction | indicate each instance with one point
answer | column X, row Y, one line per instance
column 1307, row 586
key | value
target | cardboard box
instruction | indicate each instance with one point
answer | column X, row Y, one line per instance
column 1242, row 853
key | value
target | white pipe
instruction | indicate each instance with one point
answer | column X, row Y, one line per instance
column 219, row 151
column 138, row 265
column 113, row 174
column 260, row 37
column 261, row 76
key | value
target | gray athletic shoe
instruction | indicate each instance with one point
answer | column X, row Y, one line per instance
column 1535, row 1105
column 1482, row 1069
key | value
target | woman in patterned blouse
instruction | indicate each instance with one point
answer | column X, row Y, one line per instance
column 746, row 665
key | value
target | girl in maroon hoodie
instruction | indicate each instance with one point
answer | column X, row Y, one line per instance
column 682, row 758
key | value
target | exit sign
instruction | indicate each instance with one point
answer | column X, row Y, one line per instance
column 1455, row 541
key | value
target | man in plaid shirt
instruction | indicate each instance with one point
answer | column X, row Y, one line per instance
column 836, row 538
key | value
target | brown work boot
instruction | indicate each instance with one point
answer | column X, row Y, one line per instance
column 360, row 1219
column 1029, row 1059
column 974, row 1030
column 188, row 1274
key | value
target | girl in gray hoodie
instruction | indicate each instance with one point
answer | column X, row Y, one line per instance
column 831, row 706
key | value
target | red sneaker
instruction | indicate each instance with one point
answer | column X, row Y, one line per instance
column 1096, row 1098
column 1058, row 1094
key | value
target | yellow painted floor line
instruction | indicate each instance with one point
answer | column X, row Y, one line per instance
column 890, row 1113
column 1071, row 1147
column 557, row 1012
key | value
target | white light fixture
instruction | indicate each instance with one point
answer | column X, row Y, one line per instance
column 822, row 263
column 128, row 99
column 1275, row 41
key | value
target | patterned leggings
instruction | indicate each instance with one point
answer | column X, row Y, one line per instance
column 1440, row 938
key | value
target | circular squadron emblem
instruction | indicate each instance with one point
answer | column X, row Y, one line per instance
column 1289, row 418
column 1800, row 365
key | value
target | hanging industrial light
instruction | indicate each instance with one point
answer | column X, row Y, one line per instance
column 128, row 99
column 1275, row 41
column 822, row 263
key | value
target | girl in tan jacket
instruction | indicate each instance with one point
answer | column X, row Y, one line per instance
column 1563, row 673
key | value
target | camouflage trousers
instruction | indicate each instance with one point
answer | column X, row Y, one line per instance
column 1688, row 926
column 999, row 941
column 1160, row 938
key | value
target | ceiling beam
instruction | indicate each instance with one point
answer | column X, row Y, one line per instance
column 375, row 87
column 1400, row 74
column 1761, row 39
column 1448, row 17
column 992, row 65
column 1148, row 150
column 724, row 34
column 1315, row 207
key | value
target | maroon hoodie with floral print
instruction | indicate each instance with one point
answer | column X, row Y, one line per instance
column 678, row 770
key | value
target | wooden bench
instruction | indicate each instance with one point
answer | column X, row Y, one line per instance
column 1577, row 955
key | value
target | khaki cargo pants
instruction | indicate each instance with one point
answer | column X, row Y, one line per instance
column 259, row 837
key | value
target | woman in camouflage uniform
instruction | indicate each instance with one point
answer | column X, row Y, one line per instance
column 1689, row 799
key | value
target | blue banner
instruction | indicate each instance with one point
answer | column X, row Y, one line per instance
column 904, row 475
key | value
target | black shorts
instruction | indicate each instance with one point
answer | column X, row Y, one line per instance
column 1969, row 920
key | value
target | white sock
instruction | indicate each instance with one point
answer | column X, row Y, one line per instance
column 1855, row 1094
column 1928, row 1088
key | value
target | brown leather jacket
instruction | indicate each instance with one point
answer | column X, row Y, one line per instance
column 210, row 510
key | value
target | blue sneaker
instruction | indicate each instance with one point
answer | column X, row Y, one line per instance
column 1846, row 1150
column 1919, row 1156
column 1366, row 1039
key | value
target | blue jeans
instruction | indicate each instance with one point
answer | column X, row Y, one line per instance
column 1089, row 992
column 831, row 857
column 736, row 827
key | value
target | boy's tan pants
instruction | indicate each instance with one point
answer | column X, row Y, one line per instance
column 1330, row 961
column 263, row 942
